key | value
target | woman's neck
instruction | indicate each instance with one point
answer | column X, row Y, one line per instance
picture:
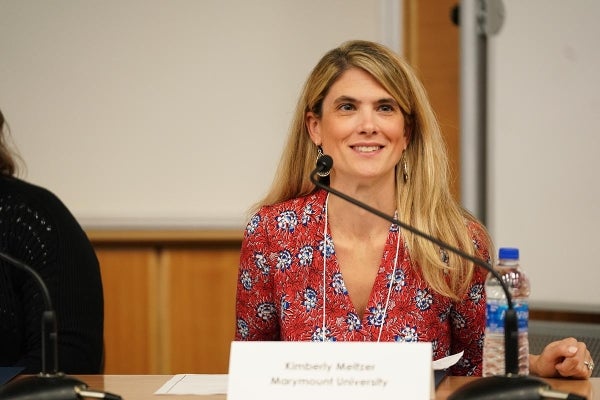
column 354, row 221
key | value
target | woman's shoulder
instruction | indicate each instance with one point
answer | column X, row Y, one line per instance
column 476, row 227
column 311, row 202
column 289, row 214
column 480, row 237
column 21, row 193
column 29, row 205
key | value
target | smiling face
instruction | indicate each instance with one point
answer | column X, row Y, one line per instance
column 361, row 127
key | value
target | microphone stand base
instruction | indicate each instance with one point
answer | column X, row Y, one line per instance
column 499, row 387
column 42, row 387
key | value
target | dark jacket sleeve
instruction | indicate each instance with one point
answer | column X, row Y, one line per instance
column 54, row 244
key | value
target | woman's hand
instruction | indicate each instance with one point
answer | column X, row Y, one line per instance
column 565, row 358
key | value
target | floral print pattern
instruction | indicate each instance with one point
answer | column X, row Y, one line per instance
column 280, row 289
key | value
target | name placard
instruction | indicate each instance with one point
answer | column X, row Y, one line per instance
column 338, row 370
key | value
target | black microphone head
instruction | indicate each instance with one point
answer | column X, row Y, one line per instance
column 324, row 163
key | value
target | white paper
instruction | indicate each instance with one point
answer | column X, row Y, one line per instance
column 200, row 384
column 447, row 362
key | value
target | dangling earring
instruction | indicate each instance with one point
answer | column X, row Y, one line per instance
column 319, row 155
column 404, row 166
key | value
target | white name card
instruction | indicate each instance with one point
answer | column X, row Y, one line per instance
column 332, row 370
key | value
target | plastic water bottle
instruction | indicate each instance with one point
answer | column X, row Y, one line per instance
column 518, row 285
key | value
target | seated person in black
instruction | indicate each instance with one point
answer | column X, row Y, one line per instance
column 37, row 229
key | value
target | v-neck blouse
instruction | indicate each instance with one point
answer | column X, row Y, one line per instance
column 280, row 290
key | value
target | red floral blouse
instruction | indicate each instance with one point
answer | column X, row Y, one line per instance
column 280, row 290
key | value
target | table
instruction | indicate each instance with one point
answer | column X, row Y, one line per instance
column 142, row 387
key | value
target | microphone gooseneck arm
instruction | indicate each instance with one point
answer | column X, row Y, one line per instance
column 49, row 329
column 511, row 384
column 49, row 384
column 511, row 334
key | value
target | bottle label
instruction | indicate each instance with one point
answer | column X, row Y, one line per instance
column 495, row 316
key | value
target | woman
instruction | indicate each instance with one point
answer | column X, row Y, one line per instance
column 315, row 267
column 37, row 229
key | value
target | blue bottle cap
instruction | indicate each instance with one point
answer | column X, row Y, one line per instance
column 508, row 253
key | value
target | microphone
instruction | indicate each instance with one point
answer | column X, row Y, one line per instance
column 49, row 384
column 517, row 387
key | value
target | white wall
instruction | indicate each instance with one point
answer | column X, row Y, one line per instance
column 544, row 142
column 159, row 113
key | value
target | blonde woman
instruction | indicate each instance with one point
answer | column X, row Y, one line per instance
column 315, row 267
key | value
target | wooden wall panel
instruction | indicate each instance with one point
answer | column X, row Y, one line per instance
column 169, row 299
column 201, row 296
column 129, row 277
column 432, row 47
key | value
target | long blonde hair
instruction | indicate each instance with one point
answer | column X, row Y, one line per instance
column 424, row 200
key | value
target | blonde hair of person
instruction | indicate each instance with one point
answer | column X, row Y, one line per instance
column 424, row 200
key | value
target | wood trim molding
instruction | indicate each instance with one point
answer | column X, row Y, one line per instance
column 432, row 48
column 410, row 31
column 564, row 316
column 165, row 237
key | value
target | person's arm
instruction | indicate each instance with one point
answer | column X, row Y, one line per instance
column 256, row 309
column 566, row 358
column 79, row 302
column 68, row 265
